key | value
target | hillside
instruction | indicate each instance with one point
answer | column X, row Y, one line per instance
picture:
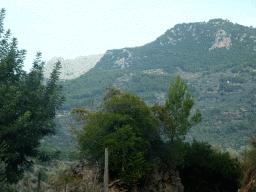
column 217, row 60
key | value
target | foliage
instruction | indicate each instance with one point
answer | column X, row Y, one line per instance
column 175, row 114
column 208, row 170
column 123, row 125
column 27, row 107
column 178, row 106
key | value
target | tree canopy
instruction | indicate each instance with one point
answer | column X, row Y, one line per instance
column 123, row 125
column 27, row 107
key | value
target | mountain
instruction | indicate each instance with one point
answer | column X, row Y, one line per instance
column 212, row 46
column 72, row 68
column 215, row 58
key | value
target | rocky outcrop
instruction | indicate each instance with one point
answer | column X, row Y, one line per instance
column 222, row 39
column 161, row 179
column 72, row 68
column 169, row 181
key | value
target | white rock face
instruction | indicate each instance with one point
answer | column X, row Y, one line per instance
column 222, row 39
column 72, row 68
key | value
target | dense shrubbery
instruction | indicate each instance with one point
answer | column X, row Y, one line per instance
column 209, row 171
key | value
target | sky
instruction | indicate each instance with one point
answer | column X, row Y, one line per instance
column 70, row 29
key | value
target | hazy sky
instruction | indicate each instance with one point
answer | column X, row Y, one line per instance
column 69, row 28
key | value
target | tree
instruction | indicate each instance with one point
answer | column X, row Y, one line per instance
column 123, row 125
column 174, row 115
column 27, row 107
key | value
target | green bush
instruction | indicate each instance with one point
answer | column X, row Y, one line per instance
column 209, row 171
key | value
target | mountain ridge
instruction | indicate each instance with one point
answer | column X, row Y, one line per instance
column 199, row 38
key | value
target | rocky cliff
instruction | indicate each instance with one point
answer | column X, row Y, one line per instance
column 72, row 68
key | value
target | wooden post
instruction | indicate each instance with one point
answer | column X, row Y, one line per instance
column 22, row 185
column 29, row 186
column 38, row 185
column 123, row 164
column 106, row 171
column 64, row 186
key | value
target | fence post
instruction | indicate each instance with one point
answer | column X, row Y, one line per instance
column 29, row 186
column 22, row 185
column 64, row 186
column 106, row 171
column 38, row 185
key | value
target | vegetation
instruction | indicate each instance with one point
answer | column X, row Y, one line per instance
column 231, row 79
column 174, row 115
column 221, row 81
column 207, row 170
column 27, row 108
column 114, row 127
column 249, row 157
column 123, row 125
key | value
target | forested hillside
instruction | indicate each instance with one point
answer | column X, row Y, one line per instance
column 215, row 58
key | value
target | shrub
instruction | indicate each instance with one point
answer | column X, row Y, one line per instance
column 209, row 171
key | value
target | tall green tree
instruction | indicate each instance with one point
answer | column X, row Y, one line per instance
column 174, row 117
column 123, row 125
column 178, row 105
column 27, row 107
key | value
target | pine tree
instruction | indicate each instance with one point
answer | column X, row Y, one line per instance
column 174, row 115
